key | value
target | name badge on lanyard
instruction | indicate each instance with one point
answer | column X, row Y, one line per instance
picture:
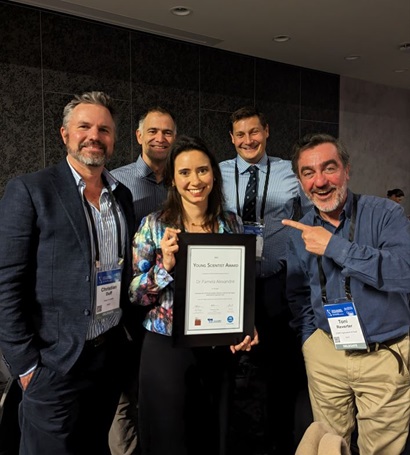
column 341, row 313
column 108, row 291
column 107, row 282
column 344, row 324
column 257, row 229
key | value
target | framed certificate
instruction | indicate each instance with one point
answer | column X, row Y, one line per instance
column 214, row 300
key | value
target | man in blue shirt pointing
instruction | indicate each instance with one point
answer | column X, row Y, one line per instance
column 348, row 284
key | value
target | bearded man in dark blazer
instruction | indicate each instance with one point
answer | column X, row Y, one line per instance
column 65, row 268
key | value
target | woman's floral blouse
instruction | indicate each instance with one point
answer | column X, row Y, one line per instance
column 152, row 286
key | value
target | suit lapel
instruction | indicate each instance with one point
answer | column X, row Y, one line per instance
column 71, row 204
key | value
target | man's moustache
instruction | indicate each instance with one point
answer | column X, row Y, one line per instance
column 91, row 143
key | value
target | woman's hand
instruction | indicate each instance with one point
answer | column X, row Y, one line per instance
column 247, row 343
column 169, row 247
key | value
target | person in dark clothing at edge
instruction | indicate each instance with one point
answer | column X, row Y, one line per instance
column 65, row 269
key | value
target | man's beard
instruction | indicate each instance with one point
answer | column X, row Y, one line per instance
column 337, row 200
column 94, row 160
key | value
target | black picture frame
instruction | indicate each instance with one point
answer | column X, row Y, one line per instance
column 181, row 337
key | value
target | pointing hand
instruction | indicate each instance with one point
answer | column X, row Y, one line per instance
column 316, row 238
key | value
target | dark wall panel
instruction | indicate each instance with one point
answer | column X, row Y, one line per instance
column 226, row 80
column 308, row 127
column 80, row 55
column 278, row 97
column 215, row 131
column 319, row 96
column 21, row 113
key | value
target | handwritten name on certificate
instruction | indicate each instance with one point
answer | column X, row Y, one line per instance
column 215, row 289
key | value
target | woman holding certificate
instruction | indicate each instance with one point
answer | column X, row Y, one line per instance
column 184, row 392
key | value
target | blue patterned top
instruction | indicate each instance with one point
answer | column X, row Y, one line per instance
column 152, row 284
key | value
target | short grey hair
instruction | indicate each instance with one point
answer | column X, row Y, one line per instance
column 159, row 109
column 313, row 140
column 98, row 98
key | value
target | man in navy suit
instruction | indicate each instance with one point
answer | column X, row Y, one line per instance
column 65, row 268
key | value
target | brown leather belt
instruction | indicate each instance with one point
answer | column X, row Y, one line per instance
column 374, row 347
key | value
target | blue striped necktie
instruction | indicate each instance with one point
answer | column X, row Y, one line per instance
column 249, row 205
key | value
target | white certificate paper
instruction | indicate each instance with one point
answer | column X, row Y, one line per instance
column 214, row 289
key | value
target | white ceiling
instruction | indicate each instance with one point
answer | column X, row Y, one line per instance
column 322, row 32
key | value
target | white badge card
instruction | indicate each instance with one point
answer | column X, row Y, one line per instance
column 257, row 229
column 108, row 291
column 345, row 325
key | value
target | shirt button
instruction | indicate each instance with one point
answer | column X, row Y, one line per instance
column 87, row 312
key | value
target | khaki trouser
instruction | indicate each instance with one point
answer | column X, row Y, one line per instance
column 123, row 435
column 350, row 386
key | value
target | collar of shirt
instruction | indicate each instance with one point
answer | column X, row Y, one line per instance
column 243, row 165
column 80, row 182
column 143, row 170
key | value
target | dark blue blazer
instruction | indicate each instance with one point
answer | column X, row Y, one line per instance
column 45, row 267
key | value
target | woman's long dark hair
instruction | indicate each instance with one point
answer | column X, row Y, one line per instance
column 173, row 211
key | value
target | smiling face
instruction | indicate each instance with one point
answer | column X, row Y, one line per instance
column 324, row 179
column 249, row 138
column 89, row 135
column 193, row 178
column 155, row 135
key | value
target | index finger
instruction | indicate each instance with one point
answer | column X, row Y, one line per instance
column 294, row 224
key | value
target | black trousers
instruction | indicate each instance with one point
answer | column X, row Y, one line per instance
column 269, row 405
column 183, row 398
column 71, row 414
